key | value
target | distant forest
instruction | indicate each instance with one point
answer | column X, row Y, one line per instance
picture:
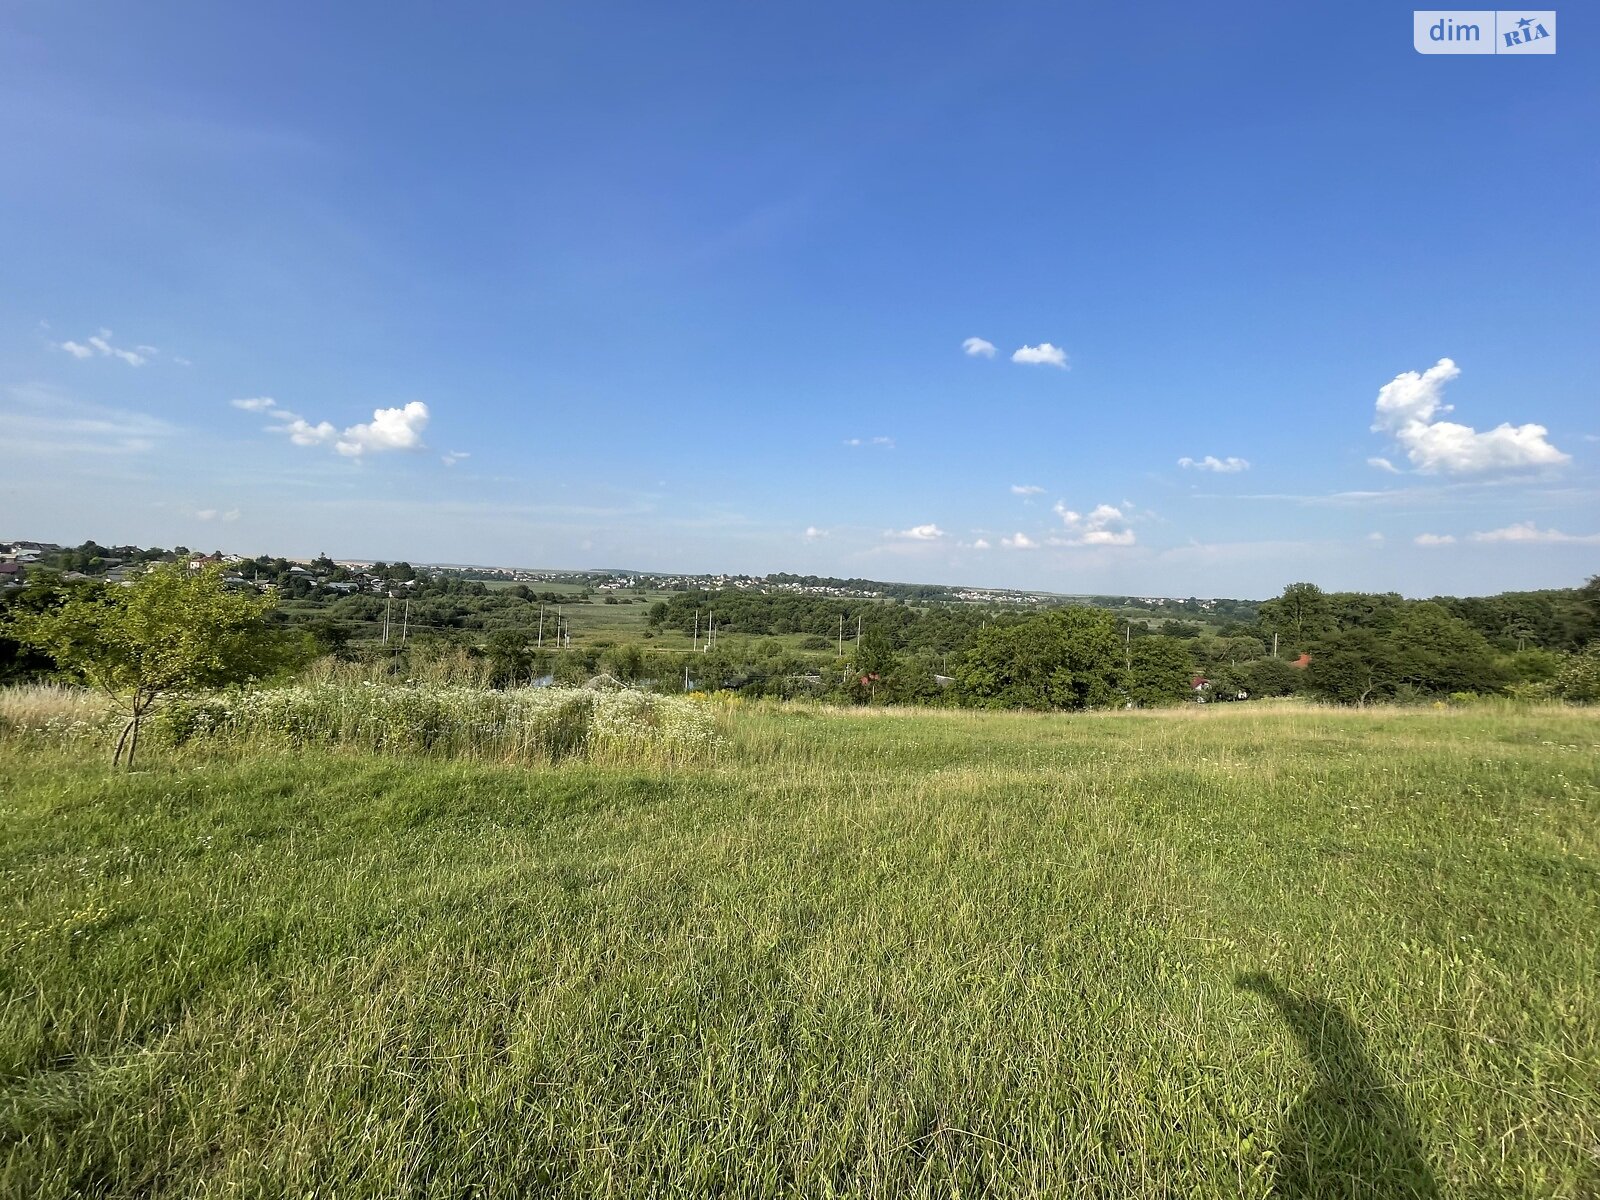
column 910, row 643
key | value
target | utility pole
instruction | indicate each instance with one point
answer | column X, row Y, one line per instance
column 1274, row 645
column 541, row 627
column 558, row 627
column 405, row 620
column 841, row 635
column 858, row 631
column 387, row 604
column 697, row 629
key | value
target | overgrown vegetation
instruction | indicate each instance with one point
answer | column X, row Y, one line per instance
column 1226, row 951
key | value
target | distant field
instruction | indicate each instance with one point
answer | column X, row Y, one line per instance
column 1240, row 951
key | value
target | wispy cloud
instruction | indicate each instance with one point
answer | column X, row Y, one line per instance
column 1044, row 354
column 883, row 443
column 451, row 457
column 1104, row 525
column 100, row 345
column 1408, row 407
column 1434, row 539
column 255, row 403
column 1225, row 466
column 1383, row 464
column 1525, row 532
column 1026, row 489
column 977, row 347
column 41, row 420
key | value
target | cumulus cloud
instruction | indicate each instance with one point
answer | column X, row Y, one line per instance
column 100, row 344
column 1019, row 541
column 981, row 544
column 390, row 429
column 813, row 534
column 977, row 347
column 1434, row 539
column 1026, row 489
column 1527, row 532
column 1044, row 354
column 919, row 533
column 303, row 433
column 1211, row 462
column 1104, row 525
column 1408, row 409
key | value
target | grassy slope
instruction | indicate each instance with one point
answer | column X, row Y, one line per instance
column 1229, row 952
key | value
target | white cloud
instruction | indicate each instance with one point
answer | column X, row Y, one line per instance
column 303, row 433
column 1375, row 537
column 1407, row 407
column 1026, row 489
column 981, row 544
column 231, row 515
column 207, row 514
column 813, row 534
column 1044, row 354
column 1211, row 462
column 919, row 533
column 451, row 457
column 101, row 344
column 389, row 429
column 1434, row 539
column 886, row 443
column 1105, row 525
column 976, row 347
column 1383, row 464
column 1019, row 541
column 1527, row 532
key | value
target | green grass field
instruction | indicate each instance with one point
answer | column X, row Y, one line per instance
column 1247, row 951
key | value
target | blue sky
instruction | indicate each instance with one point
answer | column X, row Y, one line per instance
column 692, row 287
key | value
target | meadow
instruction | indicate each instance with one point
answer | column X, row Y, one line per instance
column 1245, row 950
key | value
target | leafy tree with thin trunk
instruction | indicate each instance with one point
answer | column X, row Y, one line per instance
column 171, row 630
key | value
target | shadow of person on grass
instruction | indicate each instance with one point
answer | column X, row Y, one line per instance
column 1349, row 1136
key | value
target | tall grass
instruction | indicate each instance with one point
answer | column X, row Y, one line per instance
column 524, row 725
column 1233, row 952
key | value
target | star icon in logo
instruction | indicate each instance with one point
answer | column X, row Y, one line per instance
column 1525, row 22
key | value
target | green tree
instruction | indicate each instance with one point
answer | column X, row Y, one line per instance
column 171, row 630
column 1578, row 680
column 1299, row 615
column 1353, row 667
column 1066, row 658
column 1160, row 671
